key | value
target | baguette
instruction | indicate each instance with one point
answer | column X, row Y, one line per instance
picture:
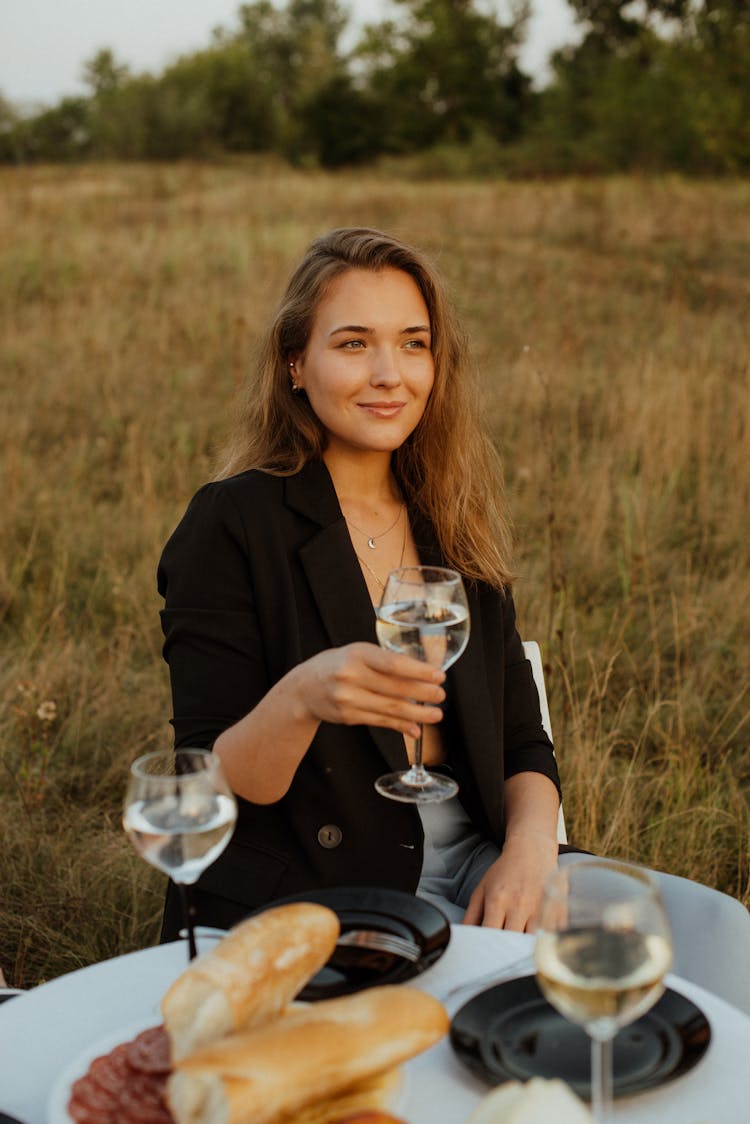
column 368, row 1117
column 363, row 1103
column 249, row 976
column 310, row 1054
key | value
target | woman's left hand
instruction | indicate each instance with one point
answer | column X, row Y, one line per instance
column 510, row 894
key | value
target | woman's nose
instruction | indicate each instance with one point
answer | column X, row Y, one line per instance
column 385, row 368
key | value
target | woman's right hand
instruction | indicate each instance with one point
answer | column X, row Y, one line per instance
column 361, row 684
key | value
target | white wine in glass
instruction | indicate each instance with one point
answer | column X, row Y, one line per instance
column 423, row 613
column 603, row 948
column 179, row 814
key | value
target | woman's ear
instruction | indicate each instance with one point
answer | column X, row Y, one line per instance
column 294, row 371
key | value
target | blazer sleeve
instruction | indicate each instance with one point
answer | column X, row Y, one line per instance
column 527, row 746
column 212, row 640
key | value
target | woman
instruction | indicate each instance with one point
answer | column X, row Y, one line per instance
column 359, row 450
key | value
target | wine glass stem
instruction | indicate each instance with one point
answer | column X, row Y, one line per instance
column 418, row 767
column 601, row 1080
column 188, row 914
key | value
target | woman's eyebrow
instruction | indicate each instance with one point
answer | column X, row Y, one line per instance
column 360, row 329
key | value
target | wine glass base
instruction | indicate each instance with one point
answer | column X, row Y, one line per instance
column 412, row 788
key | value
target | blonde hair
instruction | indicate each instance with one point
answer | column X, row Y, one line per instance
column 447, row 468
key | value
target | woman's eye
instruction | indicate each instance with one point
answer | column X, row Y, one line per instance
column 415, row 344
column 351, row 345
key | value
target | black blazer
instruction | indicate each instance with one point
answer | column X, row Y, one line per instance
column 260, row 575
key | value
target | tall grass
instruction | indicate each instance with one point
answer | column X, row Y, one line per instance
column 610, row 324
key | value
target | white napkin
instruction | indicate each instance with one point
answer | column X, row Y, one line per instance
column 538, row 1101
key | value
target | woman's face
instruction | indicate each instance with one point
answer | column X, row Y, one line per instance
column 368, row 368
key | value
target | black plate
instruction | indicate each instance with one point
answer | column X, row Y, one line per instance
column 511, row 1031
column 368, row 907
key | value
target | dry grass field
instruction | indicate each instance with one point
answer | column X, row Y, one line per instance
column 611, row 325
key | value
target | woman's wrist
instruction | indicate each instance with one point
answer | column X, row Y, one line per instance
column 295, row 695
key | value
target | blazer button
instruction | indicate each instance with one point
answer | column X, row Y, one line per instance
column 329, row 836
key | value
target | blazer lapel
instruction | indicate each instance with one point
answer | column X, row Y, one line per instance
column 336, row 582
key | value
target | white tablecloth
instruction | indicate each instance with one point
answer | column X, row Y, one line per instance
column 43, row 1030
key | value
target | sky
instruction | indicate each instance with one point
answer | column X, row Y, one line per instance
column 44, row 43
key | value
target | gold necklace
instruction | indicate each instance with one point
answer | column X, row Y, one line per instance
column 372, row 539
column 400, row 562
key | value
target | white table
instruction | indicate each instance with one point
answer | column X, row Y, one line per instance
column 44, row 1029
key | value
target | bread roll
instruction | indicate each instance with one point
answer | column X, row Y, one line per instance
column 308, row 1055
column 249, row 976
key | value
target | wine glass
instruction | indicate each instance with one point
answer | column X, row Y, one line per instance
column 423, row 613
column 179, row 814
column 603, row 948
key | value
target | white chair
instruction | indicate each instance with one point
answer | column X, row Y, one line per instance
column 710, row 929
column 534, row 656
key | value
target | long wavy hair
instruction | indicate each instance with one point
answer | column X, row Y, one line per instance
column 447, row 468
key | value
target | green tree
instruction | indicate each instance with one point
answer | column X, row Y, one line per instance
column 103, row 74
column 232, row 109
column 60, row 133
column 342, row 123
column 446, row 71
column 112, row 123
column 715, row 56
column 8, row 132
column 616, row 23
column 293, row 56
column 663, row 85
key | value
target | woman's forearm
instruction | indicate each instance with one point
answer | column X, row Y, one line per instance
column 532, row 803
column 260, row 753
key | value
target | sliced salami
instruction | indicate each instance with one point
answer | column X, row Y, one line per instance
column 125, row 1086
column 82, row 1114
column 149, row 1052
column 111, row 1070
column 87, row 1093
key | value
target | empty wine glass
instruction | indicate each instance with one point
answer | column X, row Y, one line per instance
column 179, row 814
column 423, row 613
column 603, row 948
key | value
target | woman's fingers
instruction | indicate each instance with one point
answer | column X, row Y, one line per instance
column 510, row 893
column 361, row 706
column 392, row 663
column 362, row 685
column 400, row 678
column 499, row 909
column 403, row 679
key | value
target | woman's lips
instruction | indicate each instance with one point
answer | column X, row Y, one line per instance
column 382, row 409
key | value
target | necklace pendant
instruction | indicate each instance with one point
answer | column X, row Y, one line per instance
column 371, row 543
